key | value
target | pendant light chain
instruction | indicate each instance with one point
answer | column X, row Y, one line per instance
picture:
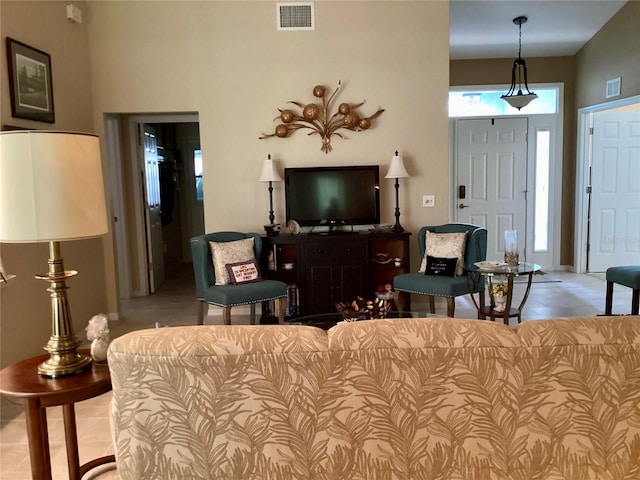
column 520, row 39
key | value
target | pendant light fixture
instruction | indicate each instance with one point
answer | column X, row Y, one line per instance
column 514, row 96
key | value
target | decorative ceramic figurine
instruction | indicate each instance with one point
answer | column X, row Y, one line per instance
column 98, row 334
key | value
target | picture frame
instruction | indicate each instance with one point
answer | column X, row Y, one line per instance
column 30, row 82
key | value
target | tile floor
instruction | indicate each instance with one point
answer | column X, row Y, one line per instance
column 553, row 295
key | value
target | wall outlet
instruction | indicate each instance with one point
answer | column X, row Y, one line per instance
column 428, row 200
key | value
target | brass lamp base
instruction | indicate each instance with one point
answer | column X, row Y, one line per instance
column 62, row 345
column 68, row 364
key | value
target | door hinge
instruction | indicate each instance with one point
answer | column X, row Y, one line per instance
column 589, row 189
column 590, row 130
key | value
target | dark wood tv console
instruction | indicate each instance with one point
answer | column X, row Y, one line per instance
column 323, row 269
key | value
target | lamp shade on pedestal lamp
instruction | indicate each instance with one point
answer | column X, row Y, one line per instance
column 270, row 174
column 51, row 187
column 52, row 190
column 397, row 170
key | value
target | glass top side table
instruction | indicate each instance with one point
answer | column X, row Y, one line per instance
column 496, row 269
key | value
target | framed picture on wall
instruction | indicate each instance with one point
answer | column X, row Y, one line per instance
column 30, row 83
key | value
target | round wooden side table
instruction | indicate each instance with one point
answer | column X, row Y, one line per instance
column 21, row 383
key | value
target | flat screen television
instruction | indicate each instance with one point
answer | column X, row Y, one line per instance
column 332, row 196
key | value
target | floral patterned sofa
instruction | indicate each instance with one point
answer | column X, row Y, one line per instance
column 382, row 399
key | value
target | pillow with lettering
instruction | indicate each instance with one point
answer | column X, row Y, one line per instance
column 243, row 272
column 444, row 267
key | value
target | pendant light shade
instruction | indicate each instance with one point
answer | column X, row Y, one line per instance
column 515, row 96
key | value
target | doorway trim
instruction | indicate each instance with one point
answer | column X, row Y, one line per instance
column 583, row 151
column 131, row 121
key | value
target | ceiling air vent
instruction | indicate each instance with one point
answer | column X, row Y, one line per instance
column 295, row 16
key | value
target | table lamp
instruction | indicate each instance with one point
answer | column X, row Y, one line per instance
column 397, row 170
column 51, row 190
column 270, row 174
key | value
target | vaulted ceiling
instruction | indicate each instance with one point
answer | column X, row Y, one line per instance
column 485, row 28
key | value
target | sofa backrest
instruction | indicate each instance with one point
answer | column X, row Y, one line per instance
column 401, row 398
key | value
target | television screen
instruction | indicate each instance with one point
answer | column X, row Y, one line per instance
column 333, row 196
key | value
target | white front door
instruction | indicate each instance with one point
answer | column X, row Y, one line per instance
column 153, row 223
column 491, row 171
column 614, row 233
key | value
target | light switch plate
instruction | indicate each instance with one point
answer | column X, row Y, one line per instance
column 428, row 200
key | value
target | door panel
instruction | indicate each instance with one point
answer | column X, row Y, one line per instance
column 352, row 281
column 153, row 223
column 615, row 191
column 492, row 165
column 319, row 289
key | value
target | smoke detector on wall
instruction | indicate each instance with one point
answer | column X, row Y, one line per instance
column 74, row 13
column 295, row 16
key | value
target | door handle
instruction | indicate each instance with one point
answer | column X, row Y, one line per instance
column 462, row 205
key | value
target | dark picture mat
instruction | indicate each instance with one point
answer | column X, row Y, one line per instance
column 30, row 82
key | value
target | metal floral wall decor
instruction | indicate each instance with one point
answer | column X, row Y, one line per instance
column 319, row 120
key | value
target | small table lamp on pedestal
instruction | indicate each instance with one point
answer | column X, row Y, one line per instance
column 270, row 174
column 52, row 190
column 397, row 170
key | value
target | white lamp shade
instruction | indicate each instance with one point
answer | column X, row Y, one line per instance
column 269, row 172
column 51, row 187
column 396, row 169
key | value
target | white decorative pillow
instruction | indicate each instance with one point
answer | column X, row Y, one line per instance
column 229, row 252
column 445, row 245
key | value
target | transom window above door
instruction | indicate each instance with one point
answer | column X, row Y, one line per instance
column 465, row 102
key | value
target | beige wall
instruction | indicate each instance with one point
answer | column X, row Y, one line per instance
column 25, row 313
column 227, row 62
column 613, row 52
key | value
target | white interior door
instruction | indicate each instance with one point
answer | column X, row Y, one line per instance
column 153, row 223
column 614, row 233
column 491, row 172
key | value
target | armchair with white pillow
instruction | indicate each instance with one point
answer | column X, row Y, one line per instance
column 445, row 250
column 227, row 273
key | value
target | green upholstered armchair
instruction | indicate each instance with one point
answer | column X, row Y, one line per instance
column 227, row 296
column 449, row 287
